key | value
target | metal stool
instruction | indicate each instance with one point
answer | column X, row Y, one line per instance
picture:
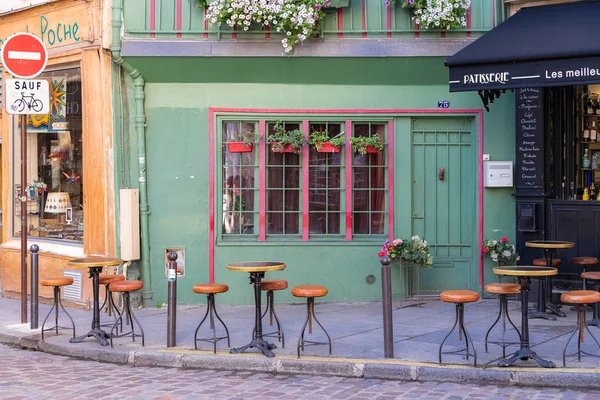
column 270, row 285
column 210, row 289
column 503, row 289
column 581, row 298
column 109, row 302
column 126, row 287
column 584, row 262
column 57, row 283
column 460, row 297
column 594, row 276
column 310, row 292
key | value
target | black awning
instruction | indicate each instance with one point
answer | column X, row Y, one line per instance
column 554, row 45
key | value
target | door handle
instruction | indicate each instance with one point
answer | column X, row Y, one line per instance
column 441, row 174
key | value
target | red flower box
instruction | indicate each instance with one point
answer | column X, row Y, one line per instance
column 238, row 147
column 288, row 148
column 328, row 148
column 371, row 149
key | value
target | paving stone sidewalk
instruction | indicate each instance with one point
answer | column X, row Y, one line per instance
column 357, row 335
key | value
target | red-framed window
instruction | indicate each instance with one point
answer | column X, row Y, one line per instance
column 307, row 196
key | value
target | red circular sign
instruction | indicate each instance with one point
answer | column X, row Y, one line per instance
column 24, row 55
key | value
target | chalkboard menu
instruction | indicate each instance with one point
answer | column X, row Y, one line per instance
column 529, row 170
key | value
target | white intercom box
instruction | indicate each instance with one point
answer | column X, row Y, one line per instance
column 498, row 174
column 129, row 223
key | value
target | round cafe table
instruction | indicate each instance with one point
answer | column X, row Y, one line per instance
column 545, row 305
column 257, row 270
column 95, row 265
column 524, row 273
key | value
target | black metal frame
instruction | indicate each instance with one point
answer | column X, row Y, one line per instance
column 460, row 321
column 505, row 315
column 271, row 310
column 57, row 302
column 131, row 317
column 212, row 311
column 310, row 314
column 581, row 324
column 111, row 307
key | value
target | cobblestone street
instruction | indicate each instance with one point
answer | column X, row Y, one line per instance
column 27, row 374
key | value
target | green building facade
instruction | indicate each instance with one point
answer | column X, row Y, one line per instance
column 186, row 90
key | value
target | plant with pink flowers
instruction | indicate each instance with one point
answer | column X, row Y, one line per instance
column 409, row 252
column 500, row 251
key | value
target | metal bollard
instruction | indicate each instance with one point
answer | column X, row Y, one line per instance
column 34, row 286
column 386, row 299
column 172, row 307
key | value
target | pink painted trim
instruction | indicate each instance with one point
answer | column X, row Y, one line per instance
column 268, row 34
column 480, row 206
column 493, row 14
column 417, row 33
column 205, row 23
column 305, row 186
column 346, row 110
column 364, row 18
column 391, row 191
column 349, row 208
column 178, row 12
column 340, row 22
column 469, row 21
column 152, row 17
column 262, row 189
column 211, row 197
column 389, row 21
column 234, row 35
column 443, row 34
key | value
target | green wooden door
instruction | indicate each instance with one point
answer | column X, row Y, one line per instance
column 443, row 207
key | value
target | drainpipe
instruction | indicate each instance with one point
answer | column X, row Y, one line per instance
column 140, row 127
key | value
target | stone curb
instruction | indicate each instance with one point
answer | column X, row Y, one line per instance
column 559, row 378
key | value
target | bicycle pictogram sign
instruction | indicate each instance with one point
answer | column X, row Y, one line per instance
column 27, row 96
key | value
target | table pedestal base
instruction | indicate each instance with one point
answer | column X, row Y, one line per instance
column 99, row 334
column 555, row 309
column 525, row 354
column 262, row 345
column 533, row 313
column 594, row 322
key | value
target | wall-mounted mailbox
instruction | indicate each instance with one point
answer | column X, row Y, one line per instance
column 526, row 221
column 498, row 174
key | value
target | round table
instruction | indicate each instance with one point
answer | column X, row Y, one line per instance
column 95, row 265
column 545, row 294
column 257, row 270
column 524, row 273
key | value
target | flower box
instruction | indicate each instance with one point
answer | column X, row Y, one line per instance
column 288, row 148
column 371, row 149
column 328, row 148
column 239, row 147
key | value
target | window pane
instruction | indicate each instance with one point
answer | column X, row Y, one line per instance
column 361, row 177
column 317, row 200
column 333, row 200
column 377, row 177
column 377, row 223
column 361, row 223
column 55, row 164
column 378, row 199
column 317, row 223
column 333, row 223
column 275, row 223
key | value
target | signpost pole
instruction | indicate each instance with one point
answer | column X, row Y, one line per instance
column 24, row 226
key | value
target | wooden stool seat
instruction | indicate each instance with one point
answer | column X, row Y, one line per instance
column 309, row 291
column 580, row 297
column 584, row 261
column 503, row 288
column 274, row 284
column 541, row 262
column 108, row 279
column 593, row 275
column 210, row 288
column 57, row 282
column 126, row 286
column 459, row 296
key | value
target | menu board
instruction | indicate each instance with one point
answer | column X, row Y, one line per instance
column 529, row 170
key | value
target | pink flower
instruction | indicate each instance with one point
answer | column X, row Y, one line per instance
column 504, row 239
column 485, row 250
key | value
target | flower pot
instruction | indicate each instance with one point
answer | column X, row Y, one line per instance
column 371, row 149
column 328, row 148
column 338, row 3
column 238, row 147
column 288, row 148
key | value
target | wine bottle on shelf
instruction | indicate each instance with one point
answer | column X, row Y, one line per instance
column 586, row 134
column 586, row 194
column 592, row 191
column 595, row 160
column 585, row 163
column 593, row 132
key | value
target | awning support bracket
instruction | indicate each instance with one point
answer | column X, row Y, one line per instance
column 488, row 96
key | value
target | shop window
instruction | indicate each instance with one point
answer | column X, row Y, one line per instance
column 54, row 166
column 369, row 182
column 239, row 188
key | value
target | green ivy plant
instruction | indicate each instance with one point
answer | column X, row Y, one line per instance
column 360, row 143
column 281, row 138
column 317, row 138
column 247, row 138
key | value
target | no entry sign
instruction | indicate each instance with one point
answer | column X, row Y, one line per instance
column 24, row 55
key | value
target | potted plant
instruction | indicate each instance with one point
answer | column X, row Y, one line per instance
column 323, row 144
column 366, row 144
column 408, row 252
column 243, row 142
column 284, row 141
column 439, row 14
column 500, row 251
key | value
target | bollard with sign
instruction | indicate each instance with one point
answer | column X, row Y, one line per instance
column 24, row 56
column 172, row 295
column 386, row 300
column 34, row 286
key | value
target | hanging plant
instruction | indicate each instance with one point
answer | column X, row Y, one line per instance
column 436, row 14
column 284, row 141
column 365, row 144
column 297, row 19
column 320, row 140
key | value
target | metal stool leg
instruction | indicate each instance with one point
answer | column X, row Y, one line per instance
column 580, row 328
column 223, row 323
column 301, row 338
column 270, row 309
column 310, row 314
column 128, row 313
column 211, row 313
column 503, row 313
column 493, row 325
column 319, row 323
column 65, row 311
column 459, row 320
column 54, row 305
